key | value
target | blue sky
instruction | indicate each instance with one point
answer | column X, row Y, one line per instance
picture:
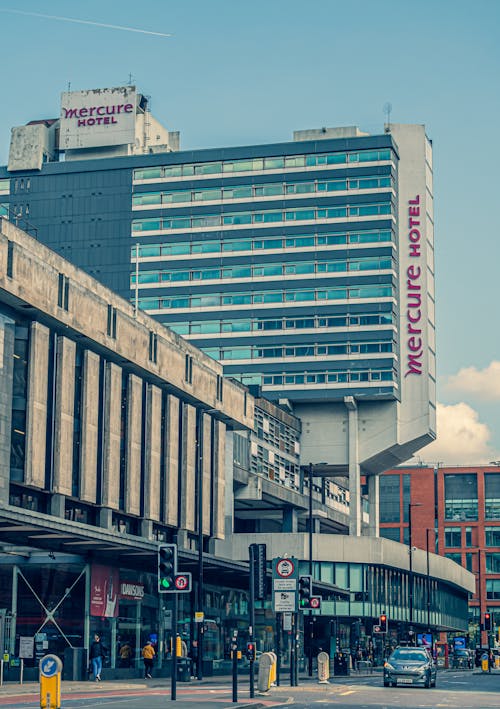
column 237, row 72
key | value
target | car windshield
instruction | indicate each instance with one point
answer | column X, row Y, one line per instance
column 418, row 656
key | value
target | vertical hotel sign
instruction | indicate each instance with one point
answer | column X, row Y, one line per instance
column 97, row 118
column 414, row 318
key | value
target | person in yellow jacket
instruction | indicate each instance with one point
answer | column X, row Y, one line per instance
column 148, row 653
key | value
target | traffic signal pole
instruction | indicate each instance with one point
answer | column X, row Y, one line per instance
column 252, row 616
column 173, row 685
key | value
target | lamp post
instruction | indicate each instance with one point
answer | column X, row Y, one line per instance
column 410, row 578
column 428, row 579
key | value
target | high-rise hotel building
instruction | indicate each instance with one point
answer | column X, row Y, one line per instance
column 305, row 267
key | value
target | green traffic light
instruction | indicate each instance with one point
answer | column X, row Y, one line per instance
column 165, row 583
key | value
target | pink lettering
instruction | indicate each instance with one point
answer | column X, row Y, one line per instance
column 414, row 330
column 90, row 121
column 105, row 119
column 414, row 235
column 416, row 200
column 128, row 108
column 100, row 110
column 414, row 211
column 70, row 112
column 414, row 365
column 415, row 344
column 413, row 272
column 83, row 112
column 415, row 250
column 417, row 318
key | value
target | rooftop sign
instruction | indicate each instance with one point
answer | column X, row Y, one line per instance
column 97, row 118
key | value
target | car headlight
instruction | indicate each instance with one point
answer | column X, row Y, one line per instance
column 388, row 666
column 423, row 668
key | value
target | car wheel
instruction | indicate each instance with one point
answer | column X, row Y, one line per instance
column 386, row 683
column 427, row 681
column 393, row 684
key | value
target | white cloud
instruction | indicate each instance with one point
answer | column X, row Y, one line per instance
column 482, row 384
column 461, row 438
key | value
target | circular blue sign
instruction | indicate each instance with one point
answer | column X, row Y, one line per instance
column 50, row 665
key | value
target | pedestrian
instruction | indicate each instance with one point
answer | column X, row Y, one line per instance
column 125, row 653
column 96, row 656
column 194, row 658
column 148, row 653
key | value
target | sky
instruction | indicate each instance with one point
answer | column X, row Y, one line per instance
column 230, row 72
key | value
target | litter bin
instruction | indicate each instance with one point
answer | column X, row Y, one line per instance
column 183, row 669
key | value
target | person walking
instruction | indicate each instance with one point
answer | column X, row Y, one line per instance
column 148, row 653
column 96, row 656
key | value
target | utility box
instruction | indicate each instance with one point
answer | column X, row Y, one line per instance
column 75, row 664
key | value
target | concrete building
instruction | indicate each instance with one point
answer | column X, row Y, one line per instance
column 118, row 435
column 306, row 268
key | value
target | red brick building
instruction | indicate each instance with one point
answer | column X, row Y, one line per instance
column 454, row 511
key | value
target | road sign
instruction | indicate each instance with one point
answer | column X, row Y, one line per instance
column 182, row 583
column 285, row 601
column 376, row 629
column 285, row 568
column 315, row 602
column 50, row 665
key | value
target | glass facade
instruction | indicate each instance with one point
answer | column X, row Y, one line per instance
column 460, row 496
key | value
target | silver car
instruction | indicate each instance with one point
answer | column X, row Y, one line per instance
column 410, row 665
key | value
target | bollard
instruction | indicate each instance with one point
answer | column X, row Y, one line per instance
column 323, row 668
column 264, row 676
column 485, row 662
column 50, row 682
column 1, row 673
column 21, row 672
column 274, row 666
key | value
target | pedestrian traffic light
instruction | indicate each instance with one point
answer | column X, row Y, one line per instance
column 305, row 591
column 251, row 651
column 383, row 623
column 487, row 621
column 167, row 567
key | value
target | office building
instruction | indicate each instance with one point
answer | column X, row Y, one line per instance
column 455, row 512
column 306, row 268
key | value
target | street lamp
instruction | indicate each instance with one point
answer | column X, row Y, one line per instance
column 410, row 579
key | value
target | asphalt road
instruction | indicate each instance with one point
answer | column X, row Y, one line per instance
column 460, row 690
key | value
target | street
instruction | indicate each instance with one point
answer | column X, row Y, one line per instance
column 455, row 689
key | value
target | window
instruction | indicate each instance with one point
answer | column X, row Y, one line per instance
column 220, row 387
column 63, row 292
column 468, row 536
column 492, row 495
column 390, row 486
column 493, row 563
column 493, row 589
column 460, row 493
column 492, row 536
column 393, row 533
column 10, row 259
column 111, row 325
column 457, row 558
column 188, row 369
column 153, row 347
column 452, row 537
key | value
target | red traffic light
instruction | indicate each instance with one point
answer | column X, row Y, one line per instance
column 487, row 621
column 383, row 623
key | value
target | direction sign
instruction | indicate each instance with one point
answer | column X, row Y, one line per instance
column 50, row 665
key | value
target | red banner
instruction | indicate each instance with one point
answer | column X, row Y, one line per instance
column 104, row 588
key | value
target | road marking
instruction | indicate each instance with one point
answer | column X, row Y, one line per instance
column 349, row 691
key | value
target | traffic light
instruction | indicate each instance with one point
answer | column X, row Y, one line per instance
column 167, row 567
column 383, row 623
column 305, row 591
column 487, row 621
column 251, row 651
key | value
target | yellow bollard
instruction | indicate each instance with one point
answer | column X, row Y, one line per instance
column 485, row 662
column 272, row 674
column 50, row 682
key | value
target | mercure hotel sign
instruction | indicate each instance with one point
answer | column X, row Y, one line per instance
column 97, row 118
column 415, row 321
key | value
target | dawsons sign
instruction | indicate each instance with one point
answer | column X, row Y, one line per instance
column 97, row 118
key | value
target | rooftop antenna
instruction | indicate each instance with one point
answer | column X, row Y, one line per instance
column 69, row 86
column 387, row 111
column 130, row 79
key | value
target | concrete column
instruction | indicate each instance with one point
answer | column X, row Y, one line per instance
column 207, row 474
column 374, row 500
column 112, row 424
column 134, row 436
column 90, row 425
column 223, row 507
column 290, row 520
column 355, row 510
column 153, row 453
column 36, row 406
column 57, row 505
column 171, row 512
column 188, row 457
column 64, row 416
